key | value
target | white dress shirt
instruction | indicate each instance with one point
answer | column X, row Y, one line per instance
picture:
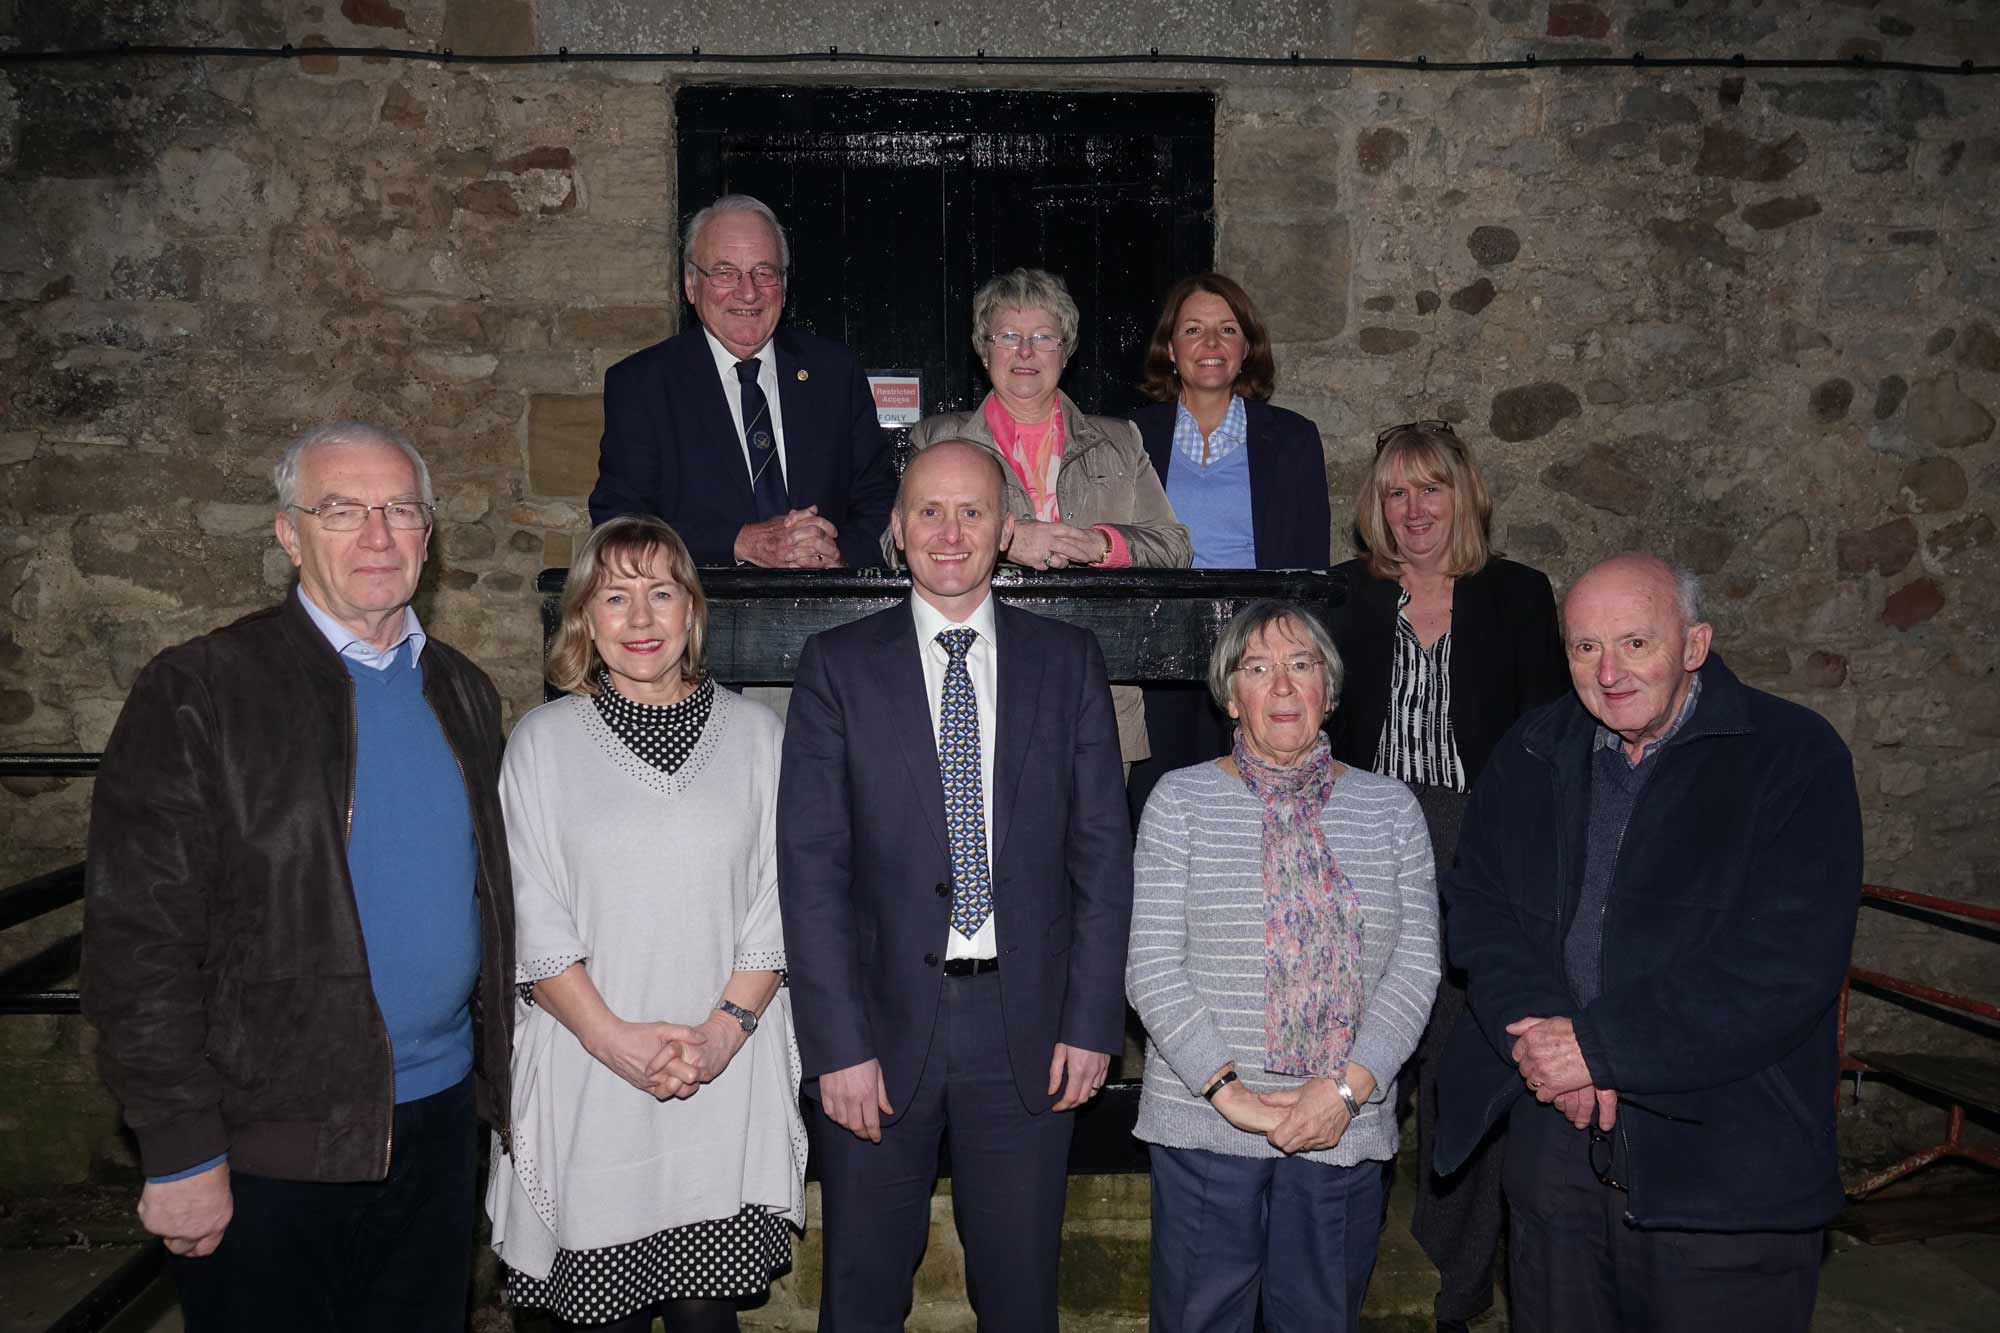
column 981, row 664
column 732, row 393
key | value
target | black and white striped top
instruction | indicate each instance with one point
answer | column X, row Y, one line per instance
column 1416, row 743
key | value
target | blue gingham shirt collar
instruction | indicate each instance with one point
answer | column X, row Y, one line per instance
column 1227, row 439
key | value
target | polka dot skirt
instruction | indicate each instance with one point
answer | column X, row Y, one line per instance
column 663, row 735
column 731, row 1257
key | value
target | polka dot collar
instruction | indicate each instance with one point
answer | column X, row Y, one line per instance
column 663, row 735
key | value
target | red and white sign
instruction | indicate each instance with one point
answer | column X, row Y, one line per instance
column 899, row 397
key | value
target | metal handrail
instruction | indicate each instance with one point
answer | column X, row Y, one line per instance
column 40, row 764
column 41, row 895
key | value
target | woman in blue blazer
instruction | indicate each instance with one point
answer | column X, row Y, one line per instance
column 1248, row 479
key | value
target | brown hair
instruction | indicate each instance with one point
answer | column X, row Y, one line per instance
column 621, row 546
column 1428, row 452
column 1259, row 375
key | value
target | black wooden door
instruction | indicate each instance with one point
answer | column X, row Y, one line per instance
column 901, row 202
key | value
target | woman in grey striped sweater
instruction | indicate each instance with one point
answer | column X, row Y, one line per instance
column 1284, row 955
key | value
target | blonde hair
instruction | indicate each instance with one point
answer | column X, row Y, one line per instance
column 622, row 546
column 1428, row 454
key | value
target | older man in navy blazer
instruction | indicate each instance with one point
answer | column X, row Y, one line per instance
column 759, row 444
column 955, row 870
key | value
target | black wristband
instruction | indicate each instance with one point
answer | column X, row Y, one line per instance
column 1228, row 1076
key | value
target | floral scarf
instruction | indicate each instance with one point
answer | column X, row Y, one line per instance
column 1312, row 919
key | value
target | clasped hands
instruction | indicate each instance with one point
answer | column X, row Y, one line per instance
column 1042, row 545
column 669, row 1060
column 1551, row 1062
column 800, row 539
column 1307, row 1118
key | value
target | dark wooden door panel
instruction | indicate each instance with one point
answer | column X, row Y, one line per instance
column 901, row 202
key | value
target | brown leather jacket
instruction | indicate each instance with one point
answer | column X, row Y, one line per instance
column 1107, row 477
column 223, row 964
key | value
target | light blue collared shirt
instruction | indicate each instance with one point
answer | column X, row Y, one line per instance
column 351, row 645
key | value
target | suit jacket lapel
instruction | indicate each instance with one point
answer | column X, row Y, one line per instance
column 1266, row 486
column 1019, row 672
column 720, row 440
column 798, row 403
column 902, row 675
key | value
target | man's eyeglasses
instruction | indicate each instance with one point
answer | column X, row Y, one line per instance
column 727, row 277
column 1603, row 1150
column 402, row 515
column 1427, row 427
column 1298, row 668
column 1011, row 341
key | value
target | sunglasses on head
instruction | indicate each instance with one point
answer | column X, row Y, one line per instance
column 1427, row 427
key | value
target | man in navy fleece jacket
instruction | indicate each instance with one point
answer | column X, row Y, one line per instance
column 1654, row 901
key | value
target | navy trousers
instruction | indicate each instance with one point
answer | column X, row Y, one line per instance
column 1230, row 1233
column 356, row 1258
column 1008, row 1182
column 1578, row 1267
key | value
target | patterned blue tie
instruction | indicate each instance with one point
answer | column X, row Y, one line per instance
column 768, row 498
column 964, row 804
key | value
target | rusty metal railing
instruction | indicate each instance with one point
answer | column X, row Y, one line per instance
column 1959, row 1081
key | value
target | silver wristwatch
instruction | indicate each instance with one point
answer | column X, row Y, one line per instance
column 740, row 1014
column 1347, row 1095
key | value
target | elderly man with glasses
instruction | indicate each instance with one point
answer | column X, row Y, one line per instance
column 759, row 444
column 298, row 926
column 1654, row 901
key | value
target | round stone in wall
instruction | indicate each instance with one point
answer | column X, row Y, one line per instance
column 1530, row 411
column 1493, row 246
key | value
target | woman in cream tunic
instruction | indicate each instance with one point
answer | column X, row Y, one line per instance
column 657, row 1157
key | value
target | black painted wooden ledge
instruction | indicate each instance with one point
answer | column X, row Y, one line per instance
column 1156, row 626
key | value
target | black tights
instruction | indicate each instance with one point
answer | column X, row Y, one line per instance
column 718, row 1316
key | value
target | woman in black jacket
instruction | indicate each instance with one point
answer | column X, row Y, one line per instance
column 1446, row 645
column 1248, row 479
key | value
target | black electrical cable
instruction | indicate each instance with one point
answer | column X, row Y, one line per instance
column 835, row 56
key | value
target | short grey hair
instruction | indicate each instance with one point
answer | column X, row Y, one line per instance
column 1253, row 619
column 1024, row 289
column 1687, row 593
column 734, row 203
column 285, row 472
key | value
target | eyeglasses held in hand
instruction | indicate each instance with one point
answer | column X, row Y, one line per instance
column 727, row 277
column 1011, row 341
column 402, row 515
column 1298, row 668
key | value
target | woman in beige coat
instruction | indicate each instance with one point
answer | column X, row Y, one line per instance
column 1081, row 488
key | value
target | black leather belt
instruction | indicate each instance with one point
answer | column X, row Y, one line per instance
column 970, row 967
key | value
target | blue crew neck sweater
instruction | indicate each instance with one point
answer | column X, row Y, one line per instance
column 413, row 861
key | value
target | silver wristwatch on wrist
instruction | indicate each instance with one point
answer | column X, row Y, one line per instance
column 1347, row 1095
column 739, row 1013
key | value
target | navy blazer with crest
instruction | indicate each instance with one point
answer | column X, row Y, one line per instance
column 1291, row 517
column 863, row 866
column 671, row 449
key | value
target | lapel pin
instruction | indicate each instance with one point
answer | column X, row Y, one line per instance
column 803, row 376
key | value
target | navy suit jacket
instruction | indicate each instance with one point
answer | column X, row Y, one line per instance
column 670, row 448
column 1291, row 519
column 864, row 872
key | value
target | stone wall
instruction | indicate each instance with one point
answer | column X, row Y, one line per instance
column 1743, row 317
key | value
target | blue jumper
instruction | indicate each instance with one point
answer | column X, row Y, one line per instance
column 413, row 862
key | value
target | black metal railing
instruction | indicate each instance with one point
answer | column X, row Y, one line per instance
column 27, row 901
